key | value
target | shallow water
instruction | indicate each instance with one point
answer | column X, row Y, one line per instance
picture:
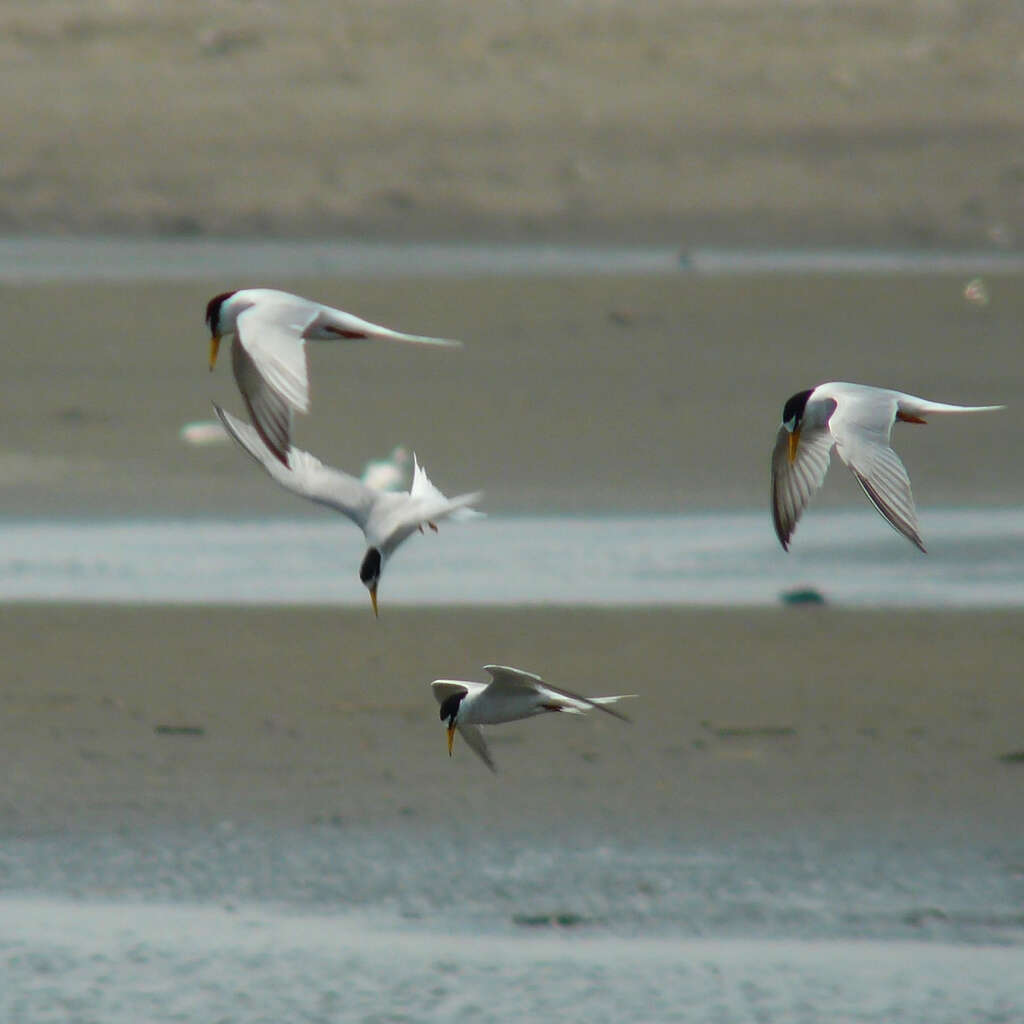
column 327, row 923
column 32, row 260
column 850, row 558
column 131, row 963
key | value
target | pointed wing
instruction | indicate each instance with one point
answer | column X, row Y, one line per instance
column 445, row 688
column 794, row 483
column 510, row 681
column 503, row 677
column 304, row 474
column 271, row 332
column 861, row 430
column 268, row 357
column 475, row 741
column 271, row 414
column 330, row 322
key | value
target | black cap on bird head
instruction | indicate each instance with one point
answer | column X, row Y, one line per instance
column 213, row 310
column 369, row 573
column 449, row 709
column 793, row 410
column 213, row 322
column 450, row 706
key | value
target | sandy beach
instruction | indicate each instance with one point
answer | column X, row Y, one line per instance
column 198, row 803
column 211, row 810
column 587, row 395
column 747, row 121
column 747, row 722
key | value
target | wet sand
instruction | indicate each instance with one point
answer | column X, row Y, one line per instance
column 748, row 722
column 583, row 395
column 865, row 123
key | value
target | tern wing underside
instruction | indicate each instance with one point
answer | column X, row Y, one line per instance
column 268, row 357
column 862, row 430
column 882, row 475
column 271, row 414
column 475, row 741
column 305, row 475
column 795, row 483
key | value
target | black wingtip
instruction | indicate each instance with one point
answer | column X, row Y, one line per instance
column 279, row 453
column 615, row 713
column 784, row 538
column 275, row 449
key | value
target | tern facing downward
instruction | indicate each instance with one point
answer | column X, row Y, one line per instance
column 268, row 353
column 510, row 695
column 858, row 420
column 386, row 517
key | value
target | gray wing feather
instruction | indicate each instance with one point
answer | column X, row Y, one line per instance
column 303, row 474
column 272, row 335
column 475, row 741
column 862, row 426
column 271, row 413
column 513, row 678
column 795, row 483
column 882, row 475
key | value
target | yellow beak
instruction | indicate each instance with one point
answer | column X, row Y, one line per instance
column 794, row 441
column 214, row 346
column 451, row 738
column 373, row 601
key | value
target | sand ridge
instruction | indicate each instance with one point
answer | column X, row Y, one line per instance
column 892, row 123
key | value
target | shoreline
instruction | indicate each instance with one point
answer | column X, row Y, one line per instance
column 118, row 259
column 722, row 559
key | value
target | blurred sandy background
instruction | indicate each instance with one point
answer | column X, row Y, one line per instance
column 749, row 722
column 869, row 122
column 878, row 123
column 588, row 395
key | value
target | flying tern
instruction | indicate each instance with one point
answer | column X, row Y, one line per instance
column 858, row 421
column 387, row 518
column 268, row 355
column 510, row 695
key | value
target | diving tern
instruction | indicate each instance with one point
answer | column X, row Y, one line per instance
column 387, row 518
